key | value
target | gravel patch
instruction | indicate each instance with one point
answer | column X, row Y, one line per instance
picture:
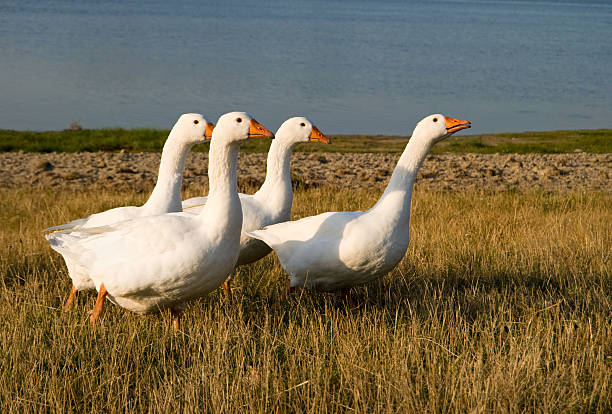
column 496, row 172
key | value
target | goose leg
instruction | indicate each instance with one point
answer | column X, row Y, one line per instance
column 176, row 319
column 227, row 289
column 288, row 289
column 96, row 312
column 71, row 298
column 346, row 295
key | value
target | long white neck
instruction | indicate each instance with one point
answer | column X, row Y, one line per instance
column 394, row 203
column 223, row 204
column 276, row 191
column 166, row 196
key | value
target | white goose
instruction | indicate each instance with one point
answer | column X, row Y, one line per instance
column 156, row 262
column 338, row 250
column 190, row 129
column 272, row 202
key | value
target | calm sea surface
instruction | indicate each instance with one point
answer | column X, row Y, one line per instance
column 350, row 66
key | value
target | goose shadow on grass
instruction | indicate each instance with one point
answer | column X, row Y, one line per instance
column 471, row 296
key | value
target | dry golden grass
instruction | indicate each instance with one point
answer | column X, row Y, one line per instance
column 502, row 303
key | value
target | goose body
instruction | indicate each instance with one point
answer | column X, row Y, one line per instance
column 338, row 250
column 189, row 130
column 272, row 202
column 156, row 262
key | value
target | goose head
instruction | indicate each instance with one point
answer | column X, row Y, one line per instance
column 237, row 127
column 299, row 129
column 192, row 129
column 435, row 128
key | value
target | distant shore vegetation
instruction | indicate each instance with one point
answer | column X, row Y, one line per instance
column 152, row 140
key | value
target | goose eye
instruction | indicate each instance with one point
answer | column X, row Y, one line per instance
column 435, row 119
column 303, row 124
column 195, row 121
column 239, row 120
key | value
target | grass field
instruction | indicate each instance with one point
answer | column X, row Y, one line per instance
column 503, row 303
column 592, row 141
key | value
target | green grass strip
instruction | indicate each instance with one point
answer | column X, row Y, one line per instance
column 151, row 140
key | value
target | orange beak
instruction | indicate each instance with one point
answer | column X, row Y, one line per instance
column 257, row 130
column 208, row 132
column 453, row 125
column 317, row 136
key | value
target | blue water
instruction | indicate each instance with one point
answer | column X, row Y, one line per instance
column 350, row 66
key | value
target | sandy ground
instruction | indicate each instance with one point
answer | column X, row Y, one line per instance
column 138, row 171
